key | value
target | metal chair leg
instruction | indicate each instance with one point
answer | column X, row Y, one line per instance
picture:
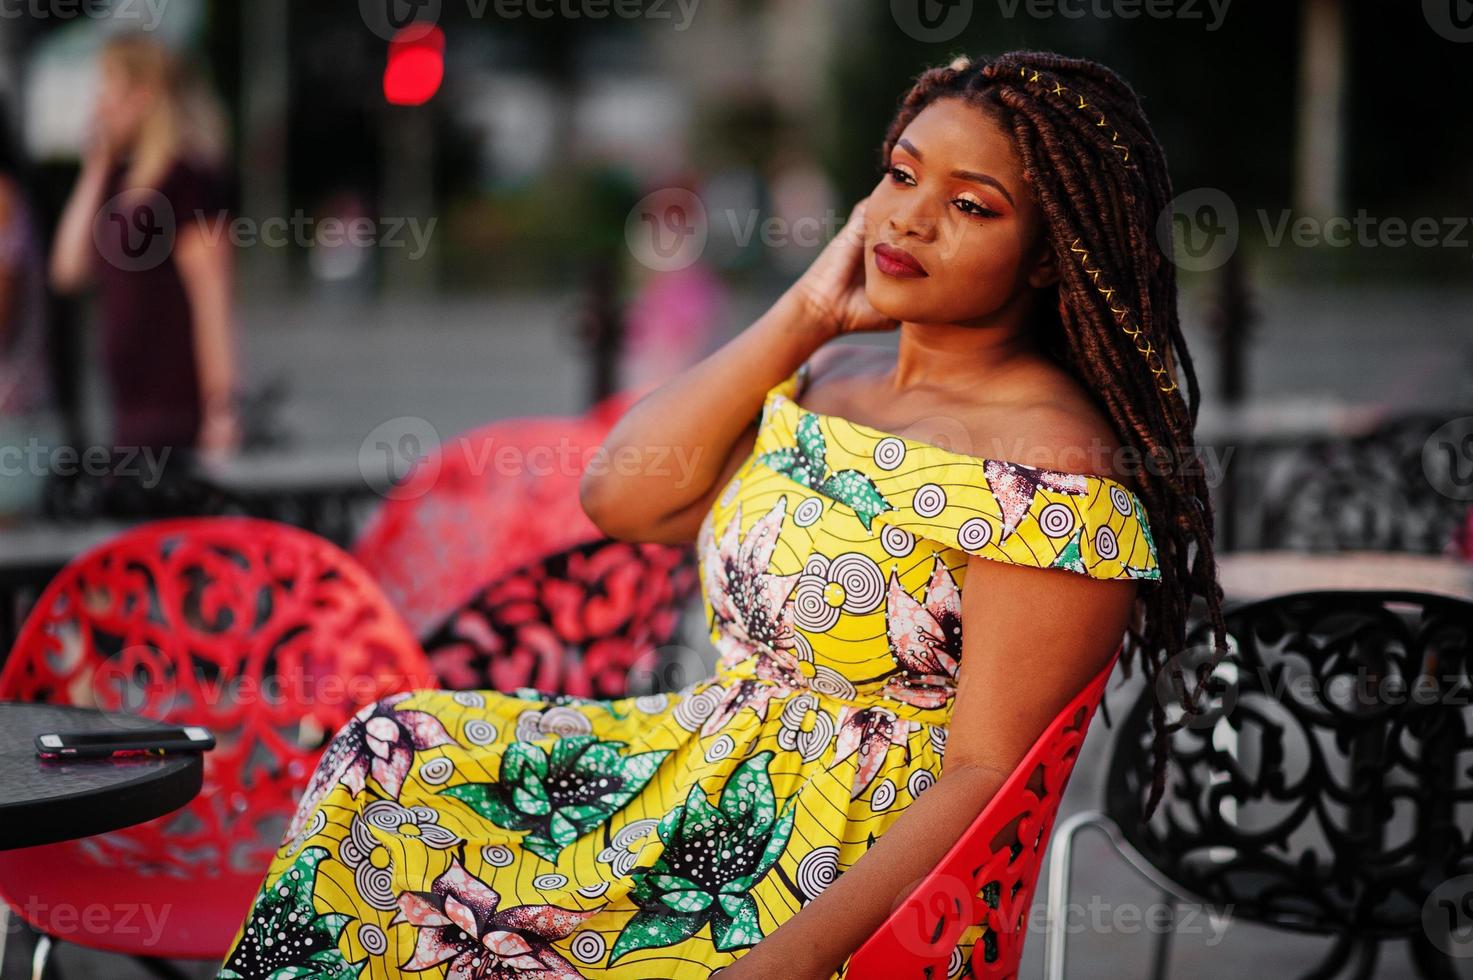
column 40, row 956
column 1061, row 853
column 1161, row 952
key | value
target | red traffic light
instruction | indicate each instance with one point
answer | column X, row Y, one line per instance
column 416, row 65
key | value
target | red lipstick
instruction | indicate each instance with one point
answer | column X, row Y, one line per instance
column 897, row 262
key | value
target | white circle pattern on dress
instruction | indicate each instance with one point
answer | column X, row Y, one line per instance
column 883, row 797
column 721, row 747
column 811, row 609
column 436, row 771
column 828, row 681
column 589, row 946
column 469, row 699
column 889, row 453
column 550, row 882
column 497, row 856
column 478, row 731
column 973, row 534
column 817, row 871
column 1105, row 543
column 1121, row 500
column 929, row 500
column 1057, row 520
column 372, row 939
column 807, row 512
column 897, row 541
column 693, row 709
column 861, row 579
column 920, row 781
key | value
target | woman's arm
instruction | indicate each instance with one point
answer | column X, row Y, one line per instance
column 207, row 273
column 1031, row 639
column 73, row 251
column 669, row 451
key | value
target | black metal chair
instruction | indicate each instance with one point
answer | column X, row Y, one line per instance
column 1327, row 789
column 1371, row 492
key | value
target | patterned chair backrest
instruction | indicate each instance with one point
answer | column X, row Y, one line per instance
column 989, row 876
column 267, row 635
column 486, row 550
column 486, row 503
column 577, row 622
column 1323, row 789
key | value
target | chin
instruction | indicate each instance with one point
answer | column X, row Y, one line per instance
column 899, row 299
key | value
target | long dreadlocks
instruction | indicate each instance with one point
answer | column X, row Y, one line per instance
column 1100, row 178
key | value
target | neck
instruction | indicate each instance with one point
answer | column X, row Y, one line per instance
column 960, row 356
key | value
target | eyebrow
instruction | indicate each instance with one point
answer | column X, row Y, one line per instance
column 971, row 175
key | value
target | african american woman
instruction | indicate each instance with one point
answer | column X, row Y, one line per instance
column 911, row 562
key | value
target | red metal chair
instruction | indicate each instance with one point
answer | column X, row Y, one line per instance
column 269, row 636
column 990, row 874
column 486, row 551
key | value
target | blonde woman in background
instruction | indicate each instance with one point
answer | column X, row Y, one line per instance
column 146, row 224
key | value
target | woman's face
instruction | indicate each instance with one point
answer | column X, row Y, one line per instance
column 122, row 104
column 954, row 199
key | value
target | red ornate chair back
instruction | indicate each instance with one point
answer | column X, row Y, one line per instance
column 575, row 622
column 267, row 635
column 486, row 550
column 989, row 876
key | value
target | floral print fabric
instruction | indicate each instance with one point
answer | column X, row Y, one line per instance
column 476, row 835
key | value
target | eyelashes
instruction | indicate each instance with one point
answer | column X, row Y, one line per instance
column 970, row 208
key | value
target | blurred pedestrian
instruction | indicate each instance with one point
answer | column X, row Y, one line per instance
column 147, row 224
column 28, row 422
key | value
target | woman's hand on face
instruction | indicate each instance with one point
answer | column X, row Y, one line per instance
column 833, row 286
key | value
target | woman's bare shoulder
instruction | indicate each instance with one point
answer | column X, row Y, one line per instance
column 1055, row 423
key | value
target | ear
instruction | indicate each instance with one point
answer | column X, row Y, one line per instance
column 1045, row 271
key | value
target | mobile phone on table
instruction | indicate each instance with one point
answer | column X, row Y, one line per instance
column 163, row 740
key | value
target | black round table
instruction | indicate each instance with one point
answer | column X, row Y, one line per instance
column 43, row 801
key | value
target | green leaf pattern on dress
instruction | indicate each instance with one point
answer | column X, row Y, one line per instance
column 712, row 857
column 559, row 796
column 807, row 464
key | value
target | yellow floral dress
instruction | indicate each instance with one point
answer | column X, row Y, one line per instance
column 476, row 834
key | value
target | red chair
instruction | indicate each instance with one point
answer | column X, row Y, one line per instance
column 576, row 622
column 488, row 554
column 267, row 635
column 990, row 874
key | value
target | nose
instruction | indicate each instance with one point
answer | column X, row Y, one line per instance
column 914, row 216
